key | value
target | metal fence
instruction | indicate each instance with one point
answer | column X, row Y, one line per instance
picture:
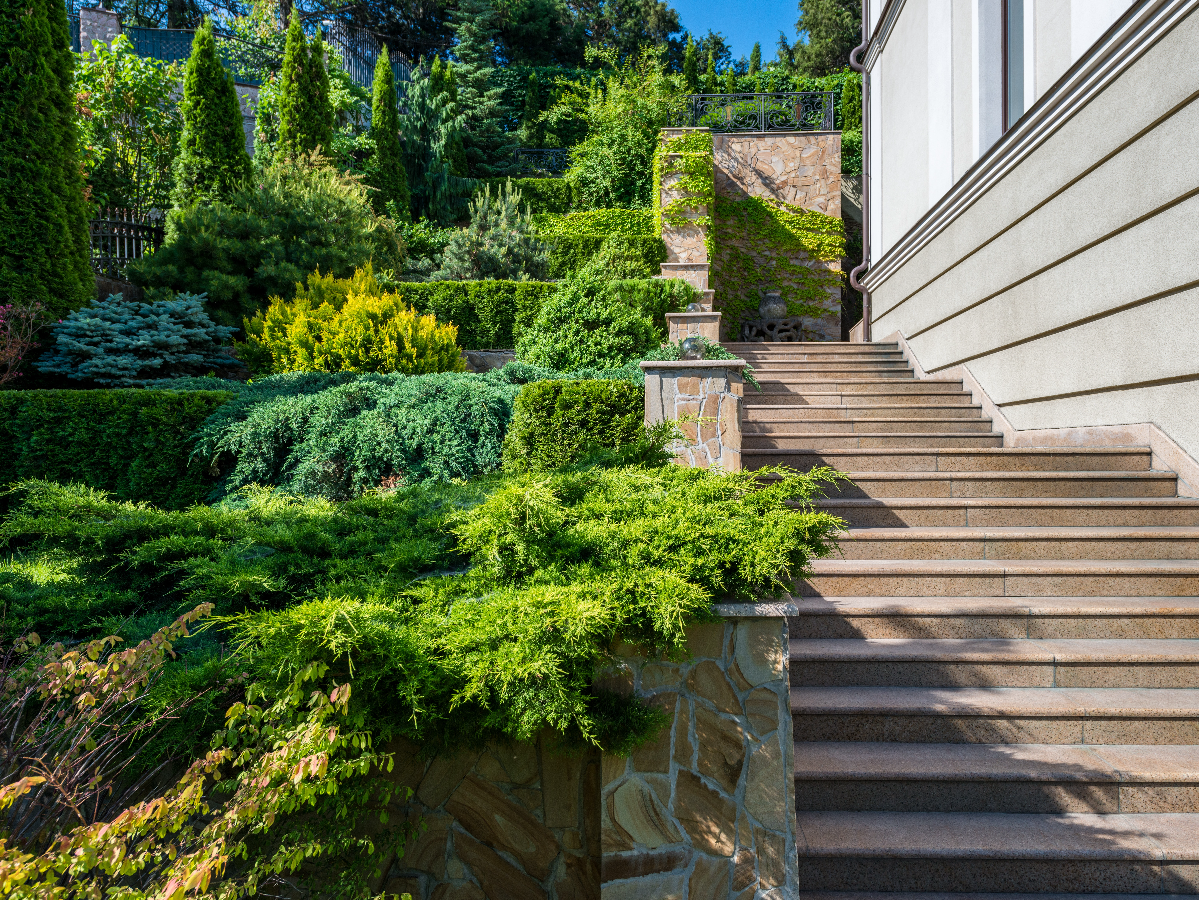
column 805, row 111
column 552, row 162
column 73, row 25
column 119, row 235
column 359, row 50
column 244, row 59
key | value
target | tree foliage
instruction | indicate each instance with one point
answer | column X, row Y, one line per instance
column 828, row 31
column 387, row 175
column 305, row 113
column 430, row 129
column 498, row 244
column 476, row 26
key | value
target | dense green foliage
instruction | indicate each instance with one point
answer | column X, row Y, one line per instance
column 498, row 243
column 212, row 163
column 44, row 255
column 126, row 343
column 297, row 218
column 488, row 147
column 543, row 195
column 489, row 314
column 305, row 112
column 136, row 444
column 431, row 128
column 831, row 29
column 386, row 173
column 554, row 423
column 579, row 326
column 621, row 243
column 131, row 137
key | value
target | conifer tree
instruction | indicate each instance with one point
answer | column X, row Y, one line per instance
column 710, row 75
column 443, row 82
column 387, row 174
column 305, row 110
column 44, row 256
column 755, row 59
column 476, row 26
column 532, row 132
column 212, row 161
column 429, row 130
column 730, row 80
column 691, row 67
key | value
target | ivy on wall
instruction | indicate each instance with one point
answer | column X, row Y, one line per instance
column 690, row 157
column 766, row 246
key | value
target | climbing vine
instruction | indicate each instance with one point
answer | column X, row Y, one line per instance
column 690, row 157
column 767, row 245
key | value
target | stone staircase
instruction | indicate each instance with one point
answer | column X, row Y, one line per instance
column 995, row 687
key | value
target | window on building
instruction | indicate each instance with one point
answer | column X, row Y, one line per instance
column 1013, row 62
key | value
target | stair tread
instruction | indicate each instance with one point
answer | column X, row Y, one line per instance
column 862, row 761
column 950, row 650
column 1073, row 836
column 964, row 895
column 976, row 474
column 998, row 701
column 817, row 435
column 1021, row 533
column 1001, row 566
column 959, row 502
column 1014, row 605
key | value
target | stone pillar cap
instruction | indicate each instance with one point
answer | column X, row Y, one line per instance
column 694, row 363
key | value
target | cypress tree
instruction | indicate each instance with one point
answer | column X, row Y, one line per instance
column 305, row 110
column 430, row 130
column 755, row 59
column 212, row 161
column 44, row 255
column 388, row 176
column 710, row 75
column 691, row 67
column 730, row 81
column 851, row 103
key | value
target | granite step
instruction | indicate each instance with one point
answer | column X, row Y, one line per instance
column 1097, row 542
column 1020, row 512
column 816, row 347
column 996, row 715
column 999, row 578
column 879, row 396
column 1115, row 460
column 995, row 778
column 935, row 895
column 762, row 425
column 770, row 370
column 1027, row 484
column 821, row 441
column 1011, row 618
column 781, row 412
column 803, row 384
column 994, row 662
column 1139, row 853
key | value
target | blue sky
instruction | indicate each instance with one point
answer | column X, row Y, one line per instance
column 741, row 22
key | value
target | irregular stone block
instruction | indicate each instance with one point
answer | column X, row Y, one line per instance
column 499, row 878
column 759, row 650
column 634, row 808
column 578, row 877
column 560, row 781
column 444, row 774
column 684, row 750
column 772, row 863
column 708, row 681
column 709, row 879
column 765, row 785
column 617, row 867
column 706, row 815
column 706, row 641
column 744, row 870
column 466, row 890
column 721, row 748
column 484, row 811
column 762, row 710
column 653, row 887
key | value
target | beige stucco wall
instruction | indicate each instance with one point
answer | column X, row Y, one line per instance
column 1070, row 288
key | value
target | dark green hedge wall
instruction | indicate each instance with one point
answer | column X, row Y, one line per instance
column 569, row 253
column 489, row 314
column 136, row 444
column 555, row 422
column 543, row 195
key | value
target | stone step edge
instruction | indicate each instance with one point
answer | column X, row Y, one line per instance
column 1022, row 533
column 999, row 651
column 995, row 567
column 995, row 702
column 953, row 606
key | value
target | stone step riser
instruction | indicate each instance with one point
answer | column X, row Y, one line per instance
column 815, row 347
column 760, row 426
column 1086, row 876
column 1001, row 585
column 766, row 371
column 753, row 441
column 1004, row 516
column 944, row 674
column 774, row 413
column 863, row 466
column 800, row 387
column 989, row 796
column 762, row 400
column 1151, row 626
column 946, row 487
column 1026, row 548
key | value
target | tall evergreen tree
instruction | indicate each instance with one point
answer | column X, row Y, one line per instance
column 829, row 30
column 476, row 26
column 691, row 67
column 710, row 75
column 305, row 110
column 44, row 256
column 387, row 174
column 755, row 59
column 532, row 131
column 429, row 131
column 212, row 161
column 730, row 80
column 444, row 83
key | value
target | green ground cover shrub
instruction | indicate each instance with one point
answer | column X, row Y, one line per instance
column 555, row 422
column 137, row 445
column 542, row 195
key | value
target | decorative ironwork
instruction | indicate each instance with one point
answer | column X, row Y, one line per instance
column 245, row 60
column 804, row 111
column 553, row 162
column 119, row 235
column 359, row 50
column 73, row 25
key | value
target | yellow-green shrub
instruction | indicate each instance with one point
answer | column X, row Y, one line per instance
column 348, row 325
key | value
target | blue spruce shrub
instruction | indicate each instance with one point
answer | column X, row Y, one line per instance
column 127, row 343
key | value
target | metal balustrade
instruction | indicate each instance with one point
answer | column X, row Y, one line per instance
column 801, row 111
column 553, row 162
column 120, row 235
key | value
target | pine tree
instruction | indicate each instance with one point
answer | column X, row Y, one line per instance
column 690, row 67
column 387, row 174
column 44, row 256
column 212, row 161
column 476, row 26
column 710, row 76
column 305, row 110
column 429, row 130
column 755, row 59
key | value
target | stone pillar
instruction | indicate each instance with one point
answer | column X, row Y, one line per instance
column 704, row 396
column 707, row 810
column 694, row 324
column 97, row 25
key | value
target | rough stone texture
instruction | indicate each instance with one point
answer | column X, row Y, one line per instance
column 800, row 168
column 726, row 793
column 97, row 25
column 697, row 324
column 704, row 397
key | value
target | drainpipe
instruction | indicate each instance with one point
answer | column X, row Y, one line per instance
column 859, row 269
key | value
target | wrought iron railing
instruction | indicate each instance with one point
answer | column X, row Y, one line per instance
column 120, row 235
column 73, row 25
column 359, row 50
column 244, row 59
column 805, row 111
column 552, row 162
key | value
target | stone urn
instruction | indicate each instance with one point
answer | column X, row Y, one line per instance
column 773, row 306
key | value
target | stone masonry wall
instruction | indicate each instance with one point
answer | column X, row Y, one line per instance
column 707, row 811
column 685, row 243
column 797, row 167
column 704, row 397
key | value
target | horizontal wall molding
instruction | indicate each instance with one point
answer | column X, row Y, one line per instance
column 886, row 24
column 1105, row 389
column 1120, row 48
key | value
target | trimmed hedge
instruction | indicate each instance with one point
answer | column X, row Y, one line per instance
column 135, row 444
column 489, row 314
column 555, row 422
column 543, row 195
column 569, row 253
